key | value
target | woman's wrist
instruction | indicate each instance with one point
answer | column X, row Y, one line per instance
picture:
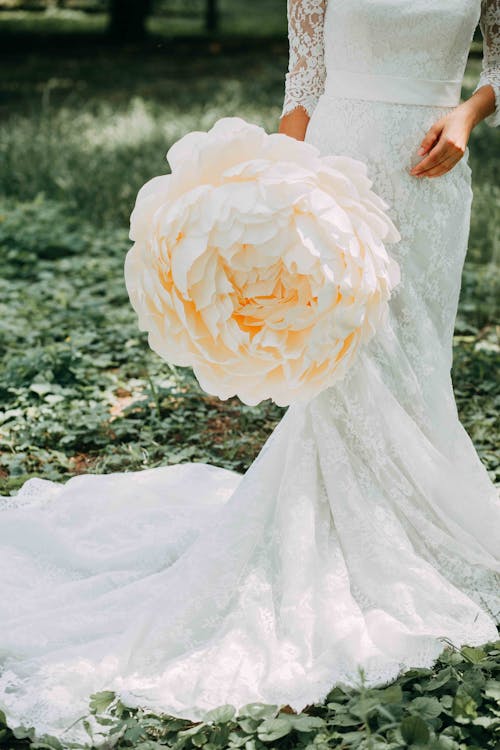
column 479, row 106
column 295, row 123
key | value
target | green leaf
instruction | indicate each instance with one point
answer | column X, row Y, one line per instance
column 487, row 722
column 304, row 723
column 237, row 740
column 464, row 706
column 248, row 725
column 443, row 743
column 100, row 701
column 42, row 388
column 440, row 680
column 48, row 743
column 54, row 398
column 190, row 731
column 134, row 731
column 473, row 654
column 103, row 721
column 414, row 730
column 22, row 733
column 88, row 728
column 273, row 729
column 473, row 683
column 351, row 738
column 452, row 657
column 391, row 694
column 492, row 689
column 446, row 701
column 426, row 708
column 337, row 694
column 200, row 739
column 337, row 708
column 221, row 714
column 345, row 720
column 364, row 707
column 258, row 710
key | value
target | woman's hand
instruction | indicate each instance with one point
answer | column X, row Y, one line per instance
column 295, row 123
column 444, row 144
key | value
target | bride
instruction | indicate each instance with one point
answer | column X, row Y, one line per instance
column 367, row 529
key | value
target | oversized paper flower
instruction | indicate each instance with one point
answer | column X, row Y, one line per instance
column 259, row 263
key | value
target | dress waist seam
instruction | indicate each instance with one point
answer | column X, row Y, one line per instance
column 395, row 89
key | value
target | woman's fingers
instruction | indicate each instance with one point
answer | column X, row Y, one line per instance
column 430, row 138
column 441, row 168
column 446, row 150
column 444, row 144
column 436, row 155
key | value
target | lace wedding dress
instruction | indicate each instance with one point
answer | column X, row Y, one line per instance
column 365, row 532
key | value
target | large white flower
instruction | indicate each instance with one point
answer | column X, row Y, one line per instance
column 259, row 263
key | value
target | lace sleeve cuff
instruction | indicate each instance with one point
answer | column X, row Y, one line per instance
column 490, row 73
column 300, row 93
column 492, row 120
column 304, row 82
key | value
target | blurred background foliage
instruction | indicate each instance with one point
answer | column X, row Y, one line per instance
column 132, row 20
column 92, row 94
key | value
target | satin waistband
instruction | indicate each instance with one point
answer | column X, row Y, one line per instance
column 373, row 87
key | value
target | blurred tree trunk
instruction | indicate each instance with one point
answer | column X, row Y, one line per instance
column 211, row 15
column 128, row 19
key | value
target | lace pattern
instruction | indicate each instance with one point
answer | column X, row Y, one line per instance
column 422, row 39
column 304, row 82
column 490, row 73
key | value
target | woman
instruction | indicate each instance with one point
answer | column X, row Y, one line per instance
column 367, row 530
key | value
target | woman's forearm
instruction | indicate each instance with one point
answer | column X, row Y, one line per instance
column 295, row 123
column 480, row 105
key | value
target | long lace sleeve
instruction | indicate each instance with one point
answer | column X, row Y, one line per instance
column 490, row 74
column 304, row 82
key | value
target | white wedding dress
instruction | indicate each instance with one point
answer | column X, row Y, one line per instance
column 366, row 531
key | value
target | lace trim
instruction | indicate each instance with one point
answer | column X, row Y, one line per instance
column 490, row 74
column 305, row 80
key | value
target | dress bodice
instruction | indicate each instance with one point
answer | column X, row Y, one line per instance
column 415, row 39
